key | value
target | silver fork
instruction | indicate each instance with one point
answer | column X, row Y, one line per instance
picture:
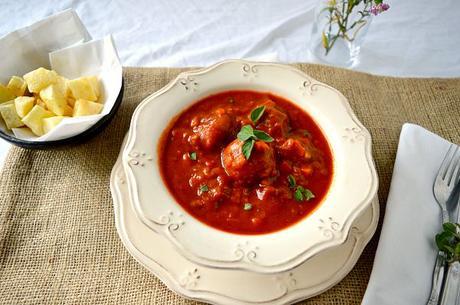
column 443, row 188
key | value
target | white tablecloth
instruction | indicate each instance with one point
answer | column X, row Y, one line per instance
column 414, row 38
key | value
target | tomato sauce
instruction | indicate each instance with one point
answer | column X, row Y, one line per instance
column 284, row 178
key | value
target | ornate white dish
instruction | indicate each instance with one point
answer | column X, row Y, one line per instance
column 353, row 187
column 236, row 287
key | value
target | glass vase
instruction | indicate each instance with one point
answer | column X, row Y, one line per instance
column 339, row 31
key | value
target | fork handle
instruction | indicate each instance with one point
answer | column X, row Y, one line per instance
column 438, row 275
column 450, row 295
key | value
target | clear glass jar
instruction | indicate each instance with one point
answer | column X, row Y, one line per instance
column 339, row 30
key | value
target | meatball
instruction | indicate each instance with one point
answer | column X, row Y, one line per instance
column 296, row 150
column 274, row 121
column 214, row 129
column 260, row 165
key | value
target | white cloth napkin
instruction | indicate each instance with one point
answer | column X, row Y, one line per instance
column 406, row 252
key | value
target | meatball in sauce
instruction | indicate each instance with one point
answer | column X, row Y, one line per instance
column 246, row 162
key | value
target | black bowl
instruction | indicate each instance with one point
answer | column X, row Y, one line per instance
column 85, row 135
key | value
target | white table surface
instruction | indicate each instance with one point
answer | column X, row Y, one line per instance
column 414, row 38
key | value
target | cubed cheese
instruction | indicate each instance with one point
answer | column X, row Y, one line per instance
column 34, row 119
column 62, row 85
column 39, row 79
column 17, row 85
column 9, row 115
column 6, row 94
column 51, row 123
column 82, row 89
column 84, row 107
column 94, row 82
column 54, row 99
column 23, row 105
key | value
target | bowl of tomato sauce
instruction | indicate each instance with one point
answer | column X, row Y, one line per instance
column 249, row 165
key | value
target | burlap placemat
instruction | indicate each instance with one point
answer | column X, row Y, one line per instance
column 58, row 242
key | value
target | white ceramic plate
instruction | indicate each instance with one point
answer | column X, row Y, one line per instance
column 236, row 287
column 353, row 187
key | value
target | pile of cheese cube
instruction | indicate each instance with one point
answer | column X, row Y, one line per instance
column 42, row 98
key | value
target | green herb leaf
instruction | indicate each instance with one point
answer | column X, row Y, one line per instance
column 247, row 206
column 257, row 113
column 249, row 135
column 298, row 195
column 302, row 194
column 442, row 239
column 448, row 241
column 439, row 241
column 308, row 194
column 260, row 135
column 449, row 227
column 247, row 148
column 291, row 181
column 192, row 155
column 203, row 189
column 246, row 133
column 449, row 249
column 457, row 251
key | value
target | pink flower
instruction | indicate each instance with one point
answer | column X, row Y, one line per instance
column 374, row 10
column 379, row 8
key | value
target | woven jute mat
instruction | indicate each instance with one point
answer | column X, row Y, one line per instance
column 58, row 242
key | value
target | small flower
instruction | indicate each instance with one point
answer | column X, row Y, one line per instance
column 379, row 8
column 374, row 10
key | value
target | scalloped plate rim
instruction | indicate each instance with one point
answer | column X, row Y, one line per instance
column 300, row 257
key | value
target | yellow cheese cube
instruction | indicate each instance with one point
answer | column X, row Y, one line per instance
column 34, row 119
column 50, row 123
column 82, row 89
column 23, row 105
column 54, row 99
column 6, row 94
column 10, row 116
column 39, row 79
column 84, row 107
column 94, row 82
column 17, row 85
column 62, row 85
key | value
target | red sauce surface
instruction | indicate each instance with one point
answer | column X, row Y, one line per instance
column 216, row 187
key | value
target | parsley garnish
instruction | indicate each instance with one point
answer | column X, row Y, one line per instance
column 448, row 241
column 247, row 206
column 245, row 133
column 192, row 155
column 249, row 135
column 303, row 194
column 300, row 193
column 257, row 113
column 291, row 181
column 203, row 189
column 247, row 148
